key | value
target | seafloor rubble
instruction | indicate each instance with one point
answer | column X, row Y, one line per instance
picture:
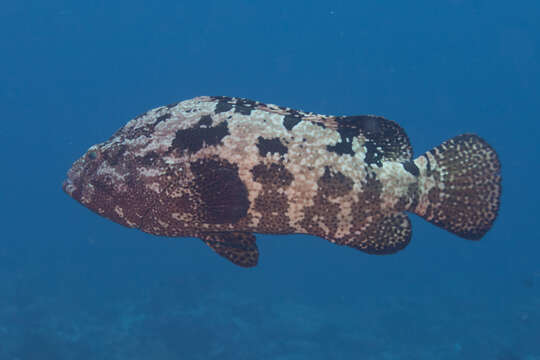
column 185, row 319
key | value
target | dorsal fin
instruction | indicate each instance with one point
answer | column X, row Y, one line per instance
column 383, row 139
column 237, row 247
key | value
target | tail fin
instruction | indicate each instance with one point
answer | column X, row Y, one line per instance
column 460, row 186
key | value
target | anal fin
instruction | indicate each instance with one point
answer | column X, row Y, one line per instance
column 238, row 247
column 387, row 236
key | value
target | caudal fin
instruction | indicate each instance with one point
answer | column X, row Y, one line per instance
column 460, row 186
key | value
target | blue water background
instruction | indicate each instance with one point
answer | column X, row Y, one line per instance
column 74, row 285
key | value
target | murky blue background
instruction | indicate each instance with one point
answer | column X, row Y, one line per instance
column 74, row 285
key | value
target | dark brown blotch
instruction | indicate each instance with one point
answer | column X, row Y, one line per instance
column 341, row 148
column 114, row 155
column 223, row 105
column 413, row 195
column 223, row 195
column 205, row 120
column 411, row 167
column 290, row 121
column 334, row 183
column 428, row 166
column 348, row 128
column 193, row 139
column 244, row 106
column 373, row 155
column 149, row 159
column 274, row 174
column 162, row 118
column 271, row 146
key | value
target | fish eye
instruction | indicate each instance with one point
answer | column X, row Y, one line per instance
column 92, row 155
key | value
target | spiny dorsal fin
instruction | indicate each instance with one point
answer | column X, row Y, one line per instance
column 387, row 236
column 383, row 139
column 237, row 247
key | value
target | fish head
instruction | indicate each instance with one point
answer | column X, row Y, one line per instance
column 165, row 173
column 111, row 180
column 144, row 183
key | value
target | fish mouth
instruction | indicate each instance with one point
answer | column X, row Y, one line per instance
column 69, row 185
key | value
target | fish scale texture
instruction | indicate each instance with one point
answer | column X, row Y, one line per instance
column 221, row 168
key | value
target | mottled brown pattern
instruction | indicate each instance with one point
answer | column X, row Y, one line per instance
column 273, row 206
column 152, row 158
column 273, row 175
column 434, row 195
column 384, row 140
column 368, row 203
column 195, row 138
column 388, row 235
column 116, row 154
column 239, row 248
column 334, row 184
column 402, row 202
column 465, row 199
column 412, row 197
column 321, row 219
column 174, row 198
column 366, row 215
column 222, row 168
column 160, row 114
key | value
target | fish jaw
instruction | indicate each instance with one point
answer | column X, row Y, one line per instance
column 74, row 182
column 101, row 187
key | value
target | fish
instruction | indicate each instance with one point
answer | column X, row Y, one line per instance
column 222, row 169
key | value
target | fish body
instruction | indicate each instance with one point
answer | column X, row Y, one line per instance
column 221, row 169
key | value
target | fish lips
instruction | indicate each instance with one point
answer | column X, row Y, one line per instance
column 72, row 184
column 69, row 186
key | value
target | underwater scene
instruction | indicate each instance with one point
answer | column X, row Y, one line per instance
column 281, row 180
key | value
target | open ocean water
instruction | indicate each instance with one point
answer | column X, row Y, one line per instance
column 74, row 285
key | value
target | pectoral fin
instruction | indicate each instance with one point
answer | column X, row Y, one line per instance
column 237, row 247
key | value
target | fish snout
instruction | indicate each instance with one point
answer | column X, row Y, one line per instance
column 72, row 184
